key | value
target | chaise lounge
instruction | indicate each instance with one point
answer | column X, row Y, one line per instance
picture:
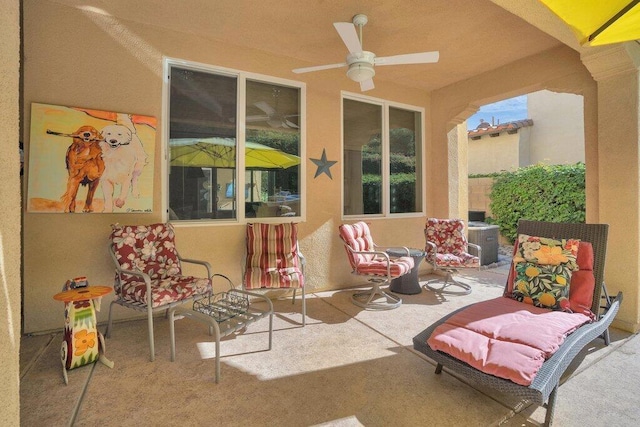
column 543, row 386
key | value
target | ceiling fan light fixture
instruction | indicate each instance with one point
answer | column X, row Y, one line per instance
column 361, row 71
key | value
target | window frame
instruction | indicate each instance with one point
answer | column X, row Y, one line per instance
column 242, row 77
column 386, row 172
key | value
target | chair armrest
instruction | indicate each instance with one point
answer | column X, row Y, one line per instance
column 477, row 248
column 430, row 248
column 205, row 264
column 303, row 261
column 384, row 254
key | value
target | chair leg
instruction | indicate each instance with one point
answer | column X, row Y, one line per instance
column 304, row 308
column 150, row 327
column 369, row 301
column 551, row 403
column 449, row 281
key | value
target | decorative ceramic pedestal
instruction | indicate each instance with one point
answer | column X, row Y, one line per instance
column 82, row 343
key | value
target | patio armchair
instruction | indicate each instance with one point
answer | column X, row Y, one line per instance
column 447, row 250
column 372, row 261
column 585, row 295
column 274, row 261
column 148, row 275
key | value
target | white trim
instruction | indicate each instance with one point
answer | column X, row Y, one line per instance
column 242, row 77
column 386, row 196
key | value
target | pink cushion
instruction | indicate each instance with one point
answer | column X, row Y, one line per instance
column 272, row 257
column 358, row 237
column 504, row 337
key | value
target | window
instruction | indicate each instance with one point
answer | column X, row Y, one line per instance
column 214, row 114
column 382, row 148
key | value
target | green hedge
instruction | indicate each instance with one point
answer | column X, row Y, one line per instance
column 540, row 193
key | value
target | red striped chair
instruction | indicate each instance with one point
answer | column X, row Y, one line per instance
column 447, row 250
column 274, row 260
column 368, row 259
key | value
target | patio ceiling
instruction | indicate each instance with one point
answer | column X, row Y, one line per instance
column 472, row 36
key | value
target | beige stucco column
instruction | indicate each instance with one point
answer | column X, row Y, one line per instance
column 10, row 212
column 616, row 71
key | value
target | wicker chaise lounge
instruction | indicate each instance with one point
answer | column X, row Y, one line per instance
column 544, row 387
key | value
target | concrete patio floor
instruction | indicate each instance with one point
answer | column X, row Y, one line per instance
column 347, row 367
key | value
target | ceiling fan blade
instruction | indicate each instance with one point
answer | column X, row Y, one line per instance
column 268, row 109
column 319, row 68
column 250, row 119
column 349, row 35
column 366, row 85
column 291, row 124
column 409, row 58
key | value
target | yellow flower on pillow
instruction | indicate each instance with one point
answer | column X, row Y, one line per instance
column 561, row 280
column 550, row 255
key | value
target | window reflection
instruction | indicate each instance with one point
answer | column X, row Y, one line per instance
column 203, row 182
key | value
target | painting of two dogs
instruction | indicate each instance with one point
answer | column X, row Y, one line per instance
column 105, row 153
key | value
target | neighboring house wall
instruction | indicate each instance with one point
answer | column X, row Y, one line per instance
column 557, row 136
column 495, row 153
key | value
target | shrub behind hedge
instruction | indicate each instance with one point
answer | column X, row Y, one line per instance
column 539, row 193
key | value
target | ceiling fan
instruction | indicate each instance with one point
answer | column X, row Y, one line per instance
column 271, row 115
column 361, row 62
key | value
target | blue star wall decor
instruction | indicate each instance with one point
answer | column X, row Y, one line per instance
column 323, row 164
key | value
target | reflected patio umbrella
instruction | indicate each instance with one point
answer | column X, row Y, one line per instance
column 599, row 22
column 221, row 153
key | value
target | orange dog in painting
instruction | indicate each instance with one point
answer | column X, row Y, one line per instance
column 85, row 166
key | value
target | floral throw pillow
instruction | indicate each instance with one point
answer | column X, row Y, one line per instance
column 543, row 269
column 545, row 286
column 545, row 251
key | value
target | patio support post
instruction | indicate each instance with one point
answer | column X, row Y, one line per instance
column 616, row 70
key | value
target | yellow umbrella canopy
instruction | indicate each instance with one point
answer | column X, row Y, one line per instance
column 221, row 153
column 599, row 22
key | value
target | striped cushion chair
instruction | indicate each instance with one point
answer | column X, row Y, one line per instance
column 274, row 260
column 447, row 250
column 149, row 272
column 368, row 259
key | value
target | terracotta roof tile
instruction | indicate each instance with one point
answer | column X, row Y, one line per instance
column 509, row 127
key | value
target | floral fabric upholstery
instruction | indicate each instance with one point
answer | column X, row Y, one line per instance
column 451, row 244
column 543, row 268
column 272, row 257
column 151, row 249
column 358, row 237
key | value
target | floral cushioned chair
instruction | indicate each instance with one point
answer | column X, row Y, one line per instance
column 149, row 272
column 530, row 324
column 447, row 250
column 366, row 259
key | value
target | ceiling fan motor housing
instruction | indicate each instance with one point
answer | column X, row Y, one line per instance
column 361, row 66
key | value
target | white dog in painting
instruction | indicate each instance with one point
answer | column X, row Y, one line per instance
column 124, row 157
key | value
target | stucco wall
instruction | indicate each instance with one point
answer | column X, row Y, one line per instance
column 557, row 134
column 10, row 213
column 494, row 154
column 101, row 63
